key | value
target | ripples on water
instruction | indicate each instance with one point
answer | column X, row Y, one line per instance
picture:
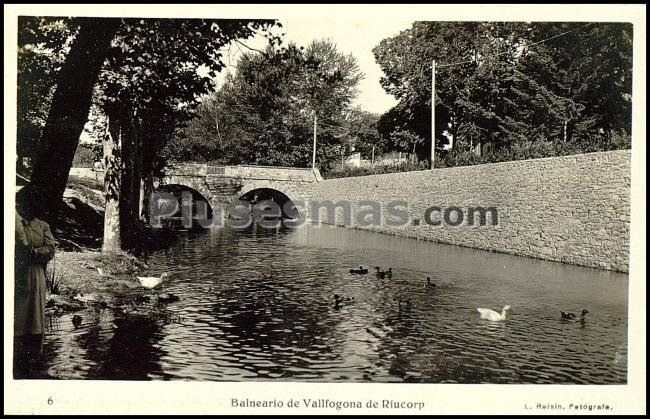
column 258, row 305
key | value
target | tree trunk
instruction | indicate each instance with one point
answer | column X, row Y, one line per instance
column 112, row 184
column 147, row 192
column 69, row 110
column 151, row 138
column 142, row 201
column 129, row 195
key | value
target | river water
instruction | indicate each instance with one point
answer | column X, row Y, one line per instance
column 258, row 305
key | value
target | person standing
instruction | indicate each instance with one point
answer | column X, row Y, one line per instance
column 34, row 249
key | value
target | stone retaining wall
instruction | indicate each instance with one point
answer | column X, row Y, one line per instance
column 573, row 209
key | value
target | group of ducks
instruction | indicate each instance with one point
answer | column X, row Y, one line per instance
column 387, row 274
column 484, row 313
column 492, row 315
column 380, row 274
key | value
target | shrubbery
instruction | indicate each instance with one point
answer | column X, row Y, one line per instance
column 375, row 170
column 533, row 150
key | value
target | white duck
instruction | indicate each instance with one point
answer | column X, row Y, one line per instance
column 150, row 282
column 495, row 316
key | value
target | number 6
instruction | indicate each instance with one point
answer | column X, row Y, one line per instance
column 50, row 401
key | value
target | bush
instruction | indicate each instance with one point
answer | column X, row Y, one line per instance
column 621, row 140
column 458, row 158
column 375, row 170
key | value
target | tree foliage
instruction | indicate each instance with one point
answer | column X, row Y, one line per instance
column 264, row 113
column 362, row 134
column 508, row 83
column 150, row 71
column 42, row 45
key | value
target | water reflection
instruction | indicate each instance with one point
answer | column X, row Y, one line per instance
column 258, row 305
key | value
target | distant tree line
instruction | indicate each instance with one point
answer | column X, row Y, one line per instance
column 504, row 91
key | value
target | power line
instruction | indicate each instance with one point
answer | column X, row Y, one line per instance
column 507, row 52
column 329, row 125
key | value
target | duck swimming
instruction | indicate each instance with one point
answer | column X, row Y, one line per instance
column 495, row 316
column 429, row 283
column 572, row 316
column 168, row 298
column 76, row 321
column 150, row 282
column 380, row 274
column 337, row 301
column 389, row 273
column 360, row 271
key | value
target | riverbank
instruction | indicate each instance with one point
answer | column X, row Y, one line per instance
column 80, row 276
column 82, row 279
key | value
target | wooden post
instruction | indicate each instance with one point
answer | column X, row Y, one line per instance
column 313, row 158
column 433, row 113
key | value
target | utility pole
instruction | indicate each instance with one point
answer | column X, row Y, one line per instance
column 313, row 158
column 433, row 113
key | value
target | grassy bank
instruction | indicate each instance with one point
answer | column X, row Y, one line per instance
column 77, row 280
column 81, row 276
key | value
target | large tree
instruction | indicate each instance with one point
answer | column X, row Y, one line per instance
column 508, row 83
column 144, row 74
column 264, row 114
column 149, row 86
column 69, row 108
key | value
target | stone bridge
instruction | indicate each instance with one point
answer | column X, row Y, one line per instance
column 228, row 183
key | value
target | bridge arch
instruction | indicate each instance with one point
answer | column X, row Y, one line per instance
column 258, row 193
column 221, row 185
column 197, row 197
column 197, row 183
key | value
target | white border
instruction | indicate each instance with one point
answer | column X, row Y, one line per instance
column 94, row 397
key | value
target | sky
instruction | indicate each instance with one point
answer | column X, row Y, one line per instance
column 354, row 36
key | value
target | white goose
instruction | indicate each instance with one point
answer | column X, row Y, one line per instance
column 150, row 282
column 495, row 316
